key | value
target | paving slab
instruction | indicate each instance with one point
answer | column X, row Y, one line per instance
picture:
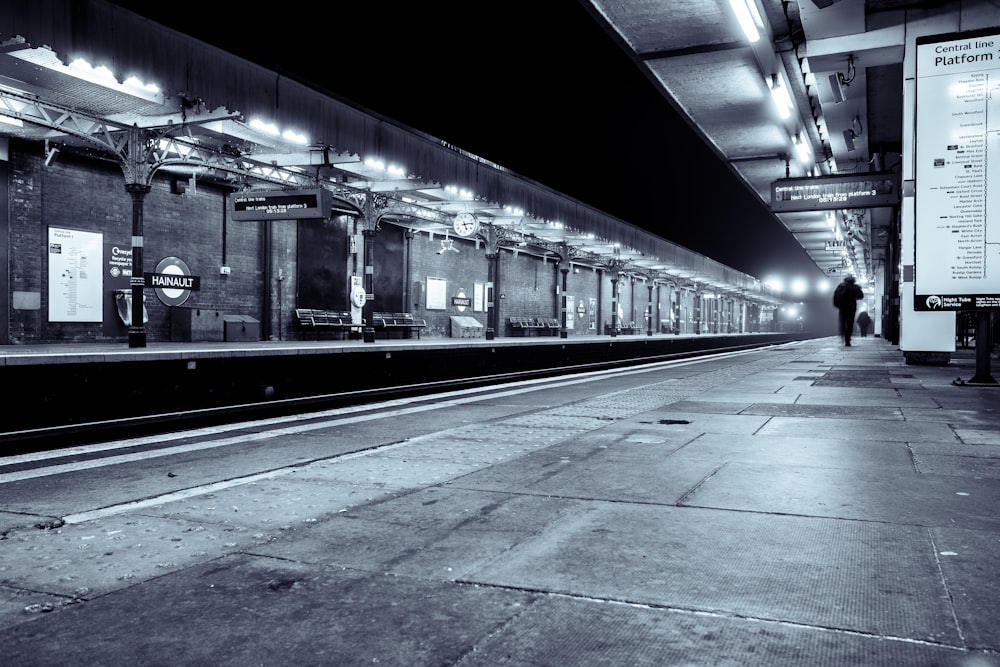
column 850, row 575
column 437, row 533
column 970, row 565
column 889, row 397
column 562, row 631
column 855, row 412
column 853, row 493
column 960, row 419
column 276, row 504
column 712, row 407
column 91, row 559
column 857, row 429
column 225, row 613
column 635, row 472
column 670, row 420
column 978, row 436
column 792, row 452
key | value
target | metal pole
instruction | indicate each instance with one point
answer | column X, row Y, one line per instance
column 984, row 345
column 649, row 307
column 368, row 330
column 563, row 333
column 491, row 270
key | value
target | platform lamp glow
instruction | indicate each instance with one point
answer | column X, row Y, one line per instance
column 748, row 18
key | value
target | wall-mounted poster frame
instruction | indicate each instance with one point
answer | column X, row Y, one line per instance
column 76, row 275
column 437, row 298
column 478, row 297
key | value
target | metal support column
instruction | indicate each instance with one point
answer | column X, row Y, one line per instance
column 491, row 272
column 563, row 332
column 137, row 328
column 649, row 307
column 614, row 304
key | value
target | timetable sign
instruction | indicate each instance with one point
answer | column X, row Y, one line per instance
column 957, row 150
column 282, row 204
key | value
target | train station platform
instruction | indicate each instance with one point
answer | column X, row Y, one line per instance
column 810, row 504
column 65, row 385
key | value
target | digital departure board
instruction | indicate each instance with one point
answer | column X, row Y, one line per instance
column 830, row 193
column 281, row 204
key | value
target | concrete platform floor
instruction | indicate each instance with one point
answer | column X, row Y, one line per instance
column 817, row 506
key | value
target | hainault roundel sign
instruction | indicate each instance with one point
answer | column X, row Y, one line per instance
column 172, row 281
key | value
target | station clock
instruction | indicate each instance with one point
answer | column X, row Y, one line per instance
column 465, row 224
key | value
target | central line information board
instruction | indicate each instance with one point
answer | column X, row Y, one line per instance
column 282, row 204
column 957, row 235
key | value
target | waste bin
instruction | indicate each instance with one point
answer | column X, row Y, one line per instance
column 466, row 327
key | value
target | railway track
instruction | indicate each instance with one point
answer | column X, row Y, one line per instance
column 82, row 431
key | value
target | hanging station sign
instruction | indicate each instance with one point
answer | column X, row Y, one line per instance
column 282, row 204
column 830, row 193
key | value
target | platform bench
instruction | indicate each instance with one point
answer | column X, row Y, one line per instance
column 533, row 326
column 402, row 323
column 319, row 321
column 623, row 328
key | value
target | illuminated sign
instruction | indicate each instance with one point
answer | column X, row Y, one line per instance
column 282, row 204
column 924, row 302
column 826, row 193
column 957, row 213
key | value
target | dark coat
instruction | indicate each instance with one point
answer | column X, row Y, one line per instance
column 847, row 295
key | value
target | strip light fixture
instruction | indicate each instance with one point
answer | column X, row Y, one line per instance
column 802, row 149
column 748, row 17
column 779, row 93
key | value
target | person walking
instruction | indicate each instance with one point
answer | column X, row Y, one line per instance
column 864, row 321
column 846, row 298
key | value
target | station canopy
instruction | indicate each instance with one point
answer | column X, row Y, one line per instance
column 81, row 75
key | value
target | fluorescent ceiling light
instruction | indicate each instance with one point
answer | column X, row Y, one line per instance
column 748, row 17
column 295, row 137
column 779, row 93
column 81, row 69
column 802, row 149
column 266, row 128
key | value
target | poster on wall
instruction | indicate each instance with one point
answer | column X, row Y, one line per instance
column 478, row 297
column 957, row 149
column 436, row 294
column 76, row 276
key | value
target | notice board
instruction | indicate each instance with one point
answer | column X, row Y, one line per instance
column 76, row 276
column 957, row 154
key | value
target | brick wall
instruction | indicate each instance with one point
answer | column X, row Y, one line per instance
column 90, row 196
column 192, row 223
column 460, row 272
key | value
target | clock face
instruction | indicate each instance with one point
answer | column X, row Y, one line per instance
column 465, row 224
